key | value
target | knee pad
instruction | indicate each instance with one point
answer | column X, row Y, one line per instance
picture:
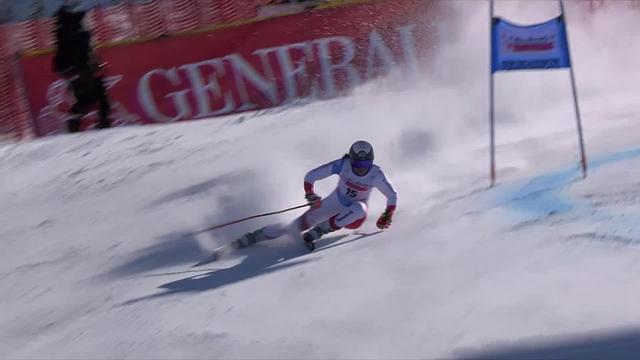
column 356, row 224
column 359, row 207
column 356, row 214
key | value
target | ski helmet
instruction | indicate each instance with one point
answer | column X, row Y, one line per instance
column 361, row 157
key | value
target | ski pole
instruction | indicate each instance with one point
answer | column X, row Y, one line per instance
column 249, row 218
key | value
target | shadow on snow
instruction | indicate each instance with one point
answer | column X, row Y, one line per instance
column 259, row 261
column 611, row 345
column 171, row 250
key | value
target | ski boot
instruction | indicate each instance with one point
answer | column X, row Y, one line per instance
column 316, row 233
column 249, row 239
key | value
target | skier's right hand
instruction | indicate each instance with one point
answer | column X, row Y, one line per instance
column 314, row 200
column 385, row 219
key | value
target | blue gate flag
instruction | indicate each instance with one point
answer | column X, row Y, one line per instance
column 539, row 46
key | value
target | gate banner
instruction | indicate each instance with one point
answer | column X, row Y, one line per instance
column 540, row 46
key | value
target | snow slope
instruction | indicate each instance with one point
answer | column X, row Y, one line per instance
column 97, row 249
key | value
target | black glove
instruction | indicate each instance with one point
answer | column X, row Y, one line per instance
column 314, row 200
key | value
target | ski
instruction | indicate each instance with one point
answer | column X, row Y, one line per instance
column 309, row 244
column 214, row 256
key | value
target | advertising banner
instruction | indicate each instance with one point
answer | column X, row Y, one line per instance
column 316, row 54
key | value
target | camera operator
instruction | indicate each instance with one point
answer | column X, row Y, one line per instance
column 75, row 61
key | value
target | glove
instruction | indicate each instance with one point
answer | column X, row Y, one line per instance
column 314, row 200
column 385, row 219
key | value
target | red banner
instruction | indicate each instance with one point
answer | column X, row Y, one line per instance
column 316, row 54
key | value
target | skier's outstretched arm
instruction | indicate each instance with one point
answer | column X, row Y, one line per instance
column 391, row 194
column 319, row 173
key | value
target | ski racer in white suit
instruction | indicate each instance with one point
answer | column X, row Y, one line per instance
column 345, row 207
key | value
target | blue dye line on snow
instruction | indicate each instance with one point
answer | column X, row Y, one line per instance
column 542, row 196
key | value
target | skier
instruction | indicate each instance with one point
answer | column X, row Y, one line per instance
column 345, row 207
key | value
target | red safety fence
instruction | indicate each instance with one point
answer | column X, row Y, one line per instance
column 121, row 22
column 7, row 126
column 15, row 122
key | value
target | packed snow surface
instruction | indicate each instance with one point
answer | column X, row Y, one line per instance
column 96, row 229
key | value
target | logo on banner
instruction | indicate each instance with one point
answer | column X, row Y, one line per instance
column 54, row 114
column 237, row 82
column 517, row 44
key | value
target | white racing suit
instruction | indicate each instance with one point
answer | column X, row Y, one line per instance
column 346, row 206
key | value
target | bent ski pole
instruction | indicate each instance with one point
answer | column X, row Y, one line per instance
column 249, row 218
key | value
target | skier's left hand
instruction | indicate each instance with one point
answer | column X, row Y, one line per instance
column 385, row 219
column 314, row 200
